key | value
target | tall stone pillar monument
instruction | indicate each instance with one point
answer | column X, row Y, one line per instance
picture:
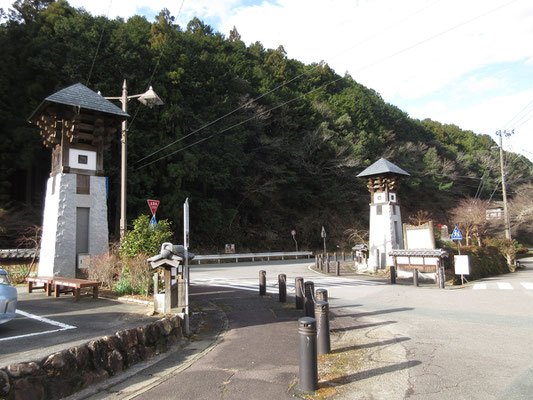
column 386, row 233
column 77, row 124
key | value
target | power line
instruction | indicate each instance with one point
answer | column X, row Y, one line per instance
column 286, row 83
column 367, row 66
column 230, row 113
column 99, row 43
column 242, row 122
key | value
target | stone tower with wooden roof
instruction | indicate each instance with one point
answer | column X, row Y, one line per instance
column 77, row 124
column 385, row 233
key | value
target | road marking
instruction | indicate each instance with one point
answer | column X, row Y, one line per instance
column 62, row 327
column 527, row 285
column 504, row 286
column 480, row 286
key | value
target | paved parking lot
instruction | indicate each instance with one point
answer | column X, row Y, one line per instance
column 45, row 325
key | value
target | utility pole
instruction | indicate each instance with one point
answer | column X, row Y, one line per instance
column 505, row 210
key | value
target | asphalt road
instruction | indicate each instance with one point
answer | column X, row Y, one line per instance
column 45, row 325
column 473, row 342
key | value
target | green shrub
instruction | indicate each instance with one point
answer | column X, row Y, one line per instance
column 508, row 248
column 123, row 286
column 138, row 273
column 144, row 238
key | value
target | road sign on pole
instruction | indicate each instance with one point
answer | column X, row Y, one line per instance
column 153, row 204
column 293, row 232
column 323, row 235
column 186, row 261
column 153, row 222
column 456, row 234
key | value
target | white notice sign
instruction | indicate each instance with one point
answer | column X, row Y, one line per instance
column 462, row 265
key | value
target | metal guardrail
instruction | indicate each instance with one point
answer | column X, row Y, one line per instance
column 252, row 256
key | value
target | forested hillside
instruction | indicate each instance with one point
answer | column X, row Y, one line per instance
column 258, row 168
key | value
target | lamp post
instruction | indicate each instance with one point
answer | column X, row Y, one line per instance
column 150, row 99
column 505, row 211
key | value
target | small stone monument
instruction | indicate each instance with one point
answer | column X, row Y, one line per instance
column 169, row 263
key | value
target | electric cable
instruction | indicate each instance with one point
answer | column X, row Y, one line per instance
column 99, row 43
column 284, row 84
column 242, row 122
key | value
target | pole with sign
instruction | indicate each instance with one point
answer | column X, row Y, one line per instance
column 323, row 235
column 456, row 235
column 293, row 233
column 186, row 261
column 153, row 204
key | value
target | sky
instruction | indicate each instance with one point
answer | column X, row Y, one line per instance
column 462, row 62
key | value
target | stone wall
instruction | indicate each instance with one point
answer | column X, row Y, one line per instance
column 64, row 373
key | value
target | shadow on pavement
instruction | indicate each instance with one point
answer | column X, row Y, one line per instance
column 369, row 345
column 362, row 326
column 370, row 373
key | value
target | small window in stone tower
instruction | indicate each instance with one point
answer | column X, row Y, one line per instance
column 83, row 159
column 83, row 184
column 379, row 210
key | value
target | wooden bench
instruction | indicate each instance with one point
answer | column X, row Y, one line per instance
column 74, row 285
column 62, row 285
column 46, row 282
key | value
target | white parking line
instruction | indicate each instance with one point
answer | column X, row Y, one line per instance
column 527, row 285
column 480, row 286
column 504, row 286
column 62, row 327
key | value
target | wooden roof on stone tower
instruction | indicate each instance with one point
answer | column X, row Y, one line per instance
column 382, row 167
column 82, row 114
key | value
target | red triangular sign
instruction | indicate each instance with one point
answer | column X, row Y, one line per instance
column 153, row 204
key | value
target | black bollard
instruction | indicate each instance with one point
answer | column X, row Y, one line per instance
column 322, row 294
column 309, row 304
column 392, row 275
column 307, row 355
column 327, row 265
column 262, row 283
column 299, row 293
column 415, row 276
column 282, row 284
column 337, row 268
column 322, row 327
column 441, row 277
column 321, row 263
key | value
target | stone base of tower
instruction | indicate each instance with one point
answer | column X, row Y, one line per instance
column 73, row 223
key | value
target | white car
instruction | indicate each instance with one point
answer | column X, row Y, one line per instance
column 8, row 298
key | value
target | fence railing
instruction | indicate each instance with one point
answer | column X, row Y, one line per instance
column 253, row 256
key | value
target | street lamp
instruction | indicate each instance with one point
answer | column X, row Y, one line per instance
column 150, row 99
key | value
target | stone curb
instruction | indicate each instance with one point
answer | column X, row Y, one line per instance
column 63, row 373
column 202, row 348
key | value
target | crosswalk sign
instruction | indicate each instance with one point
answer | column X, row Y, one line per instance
column 456, row 234
column 153, row 222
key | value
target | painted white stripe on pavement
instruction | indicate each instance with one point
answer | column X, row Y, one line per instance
column 480, row 286
column 62, row 327
column 504, row 286
column 527, row 285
